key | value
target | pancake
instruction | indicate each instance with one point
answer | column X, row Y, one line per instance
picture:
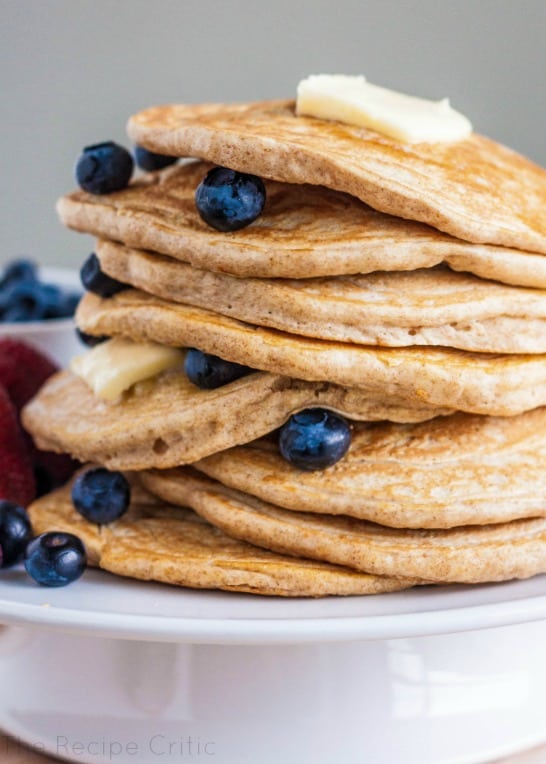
column 169, row 421
column 499, row 385
column 459, row 555
column 475, row 189
column 157, row 542
column 393, row 309
column 304, row 231
column 460, row 470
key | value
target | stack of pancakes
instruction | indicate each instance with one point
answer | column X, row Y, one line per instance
column 400, row 285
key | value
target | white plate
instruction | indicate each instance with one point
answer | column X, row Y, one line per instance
column 102, row 604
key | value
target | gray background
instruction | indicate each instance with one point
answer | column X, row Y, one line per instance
column 72, row 71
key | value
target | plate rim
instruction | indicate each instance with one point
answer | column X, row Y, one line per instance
column 275, row 630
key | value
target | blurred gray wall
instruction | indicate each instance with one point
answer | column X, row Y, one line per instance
column 72, row 71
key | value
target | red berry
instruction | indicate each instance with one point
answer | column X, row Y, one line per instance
column 23, row 370
column 51, row 470
column 16, row 474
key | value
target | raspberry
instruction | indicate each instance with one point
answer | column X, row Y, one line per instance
column 16, row 475
column 23, row 370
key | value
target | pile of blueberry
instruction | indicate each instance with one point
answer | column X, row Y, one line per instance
column 57, row 558
column 25, row 297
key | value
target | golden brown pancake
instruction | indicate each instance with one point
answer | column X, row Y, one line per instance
column 470, row 554
column 481, row 383
column 475, row 189
column 169, row 421
column 304, row 231
column 158, row 542
column 460, row 470
column 432, row 306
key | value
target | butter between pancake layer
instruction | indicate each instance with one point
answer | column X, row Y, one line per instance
column 482, row 383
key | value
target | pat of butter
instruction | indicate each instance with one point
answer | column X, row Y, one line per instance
column 116, row 365
column 352, row 100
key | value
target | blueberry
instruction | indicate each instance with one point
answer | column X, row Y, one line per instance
column 149, row 161
column 15, row 532
column 21, row 269
column 34, row 301
column 23, row 297
column 208, row 371
column 89, row 339
column 103, row 168
column 23, row 301
column 55, row 558
column 314, row 439
column 101, row 496
column 228, row 200
column 96, row 281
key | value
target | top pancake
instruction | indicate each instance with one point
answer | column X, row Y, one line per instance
column 304, row 231
column 474, row 189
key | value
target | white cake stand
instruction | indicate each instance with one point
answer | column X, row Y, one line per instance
column 108, row 670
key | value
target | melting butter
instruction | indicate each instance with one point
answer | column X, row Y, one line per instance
column 117, row 364
column 353, row 100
